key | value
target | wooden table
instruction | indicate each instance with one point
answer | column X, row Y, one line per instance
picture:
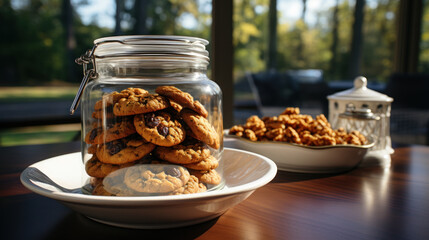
column 365, row 203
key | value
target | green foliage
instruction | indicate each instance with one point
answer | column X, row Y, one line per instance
column 32, row 39
column 36, row 136
column 424, row 41
column 301, row 46
column 37, row 93
column 162, row 18
column 250, row 36
column 379, row 40
column 33, row 45
column 33, row 49
column 338, row 68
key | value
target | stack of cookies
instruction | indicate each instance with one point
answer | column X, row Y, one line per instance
column 151, row 144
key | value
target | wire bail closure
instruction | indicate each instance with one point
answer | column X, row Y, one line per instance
column 88, row 74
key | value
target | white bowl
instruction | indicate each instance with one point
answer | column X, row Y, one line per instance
column 306, row 159
column 244, row 172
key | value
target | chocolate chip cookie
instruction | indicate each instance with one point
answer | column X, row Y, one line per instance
column 97, row 169
column 192, row 186
column 204, row 165
column 185, row 153
column 124, row 150
column 111, row 186
column 110, row 99
column 174, row 105
column 114, row 184
column 103, row 114
column 99, row 190
column 137, row 104
column 157, row 178
column 159, row 128
column 92, row 149
column 208, row 177
column 113, row 130
column 201, row 128
column 182, row 98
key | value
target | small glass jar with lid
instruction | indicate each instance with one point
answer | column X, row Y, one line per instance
column 367, row 111
column 151, row 118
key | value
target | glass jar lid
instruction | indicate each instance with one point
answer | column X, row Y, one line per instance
column 360, row 92
column 153, row 48
column 360, row 113
column 147, row 51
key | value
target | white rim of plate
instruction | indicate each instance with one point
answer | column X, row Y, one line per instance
column 152, row 200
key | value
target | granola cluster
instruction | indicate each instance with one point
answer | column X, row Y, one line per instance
column 291, row 126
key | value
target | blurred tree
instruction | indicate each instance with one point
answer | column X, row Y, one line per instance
column 424, row 41
column 67, row 20
column 379, row 42
column 164, row 17
column 40, row 40
column 334, row 45
column 356, row 44
column 303, row 47
column 345, row 10
column 272, row 36
column 9, row 34
column 140, row 13
column 250, row 36
column 33, row 42
column 118, row 16
column 301, row 27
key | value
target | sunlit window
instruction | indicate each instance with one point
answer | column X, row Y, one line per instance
column 286, row 53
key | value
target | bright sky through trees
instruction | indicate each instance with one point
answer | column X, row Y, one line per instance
column 102, row 11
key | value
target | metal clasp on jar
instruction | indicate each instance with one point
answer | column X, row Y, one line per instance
column 84, row 60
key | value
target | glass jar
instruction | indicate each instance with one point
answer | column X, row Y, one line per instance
column 362, row 120
column 151, row 119
column 366, row 102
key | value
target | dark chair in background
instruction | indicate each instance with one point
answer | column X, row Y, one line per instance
column 313, row 89
column 273, row 91
column 274, row 88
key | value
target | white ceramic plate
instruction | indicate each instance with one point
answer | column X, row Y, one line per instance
column 244, row 172
column 305, row 159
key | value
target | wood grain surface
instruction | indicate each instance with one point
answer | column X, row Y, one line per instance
column 365, row 203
